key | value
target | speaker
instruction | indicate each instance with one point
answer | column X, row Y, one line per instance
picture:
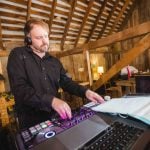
column 142, row 83
column 27, row 40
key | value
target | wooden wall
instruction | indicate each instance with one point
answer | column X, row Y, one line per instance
column 75, row 66
column 140, row 15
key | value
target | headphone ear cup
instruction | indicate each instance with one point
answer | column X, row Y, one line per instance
column 28, row 40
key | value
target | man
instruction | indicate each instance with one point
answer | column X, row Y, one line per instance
column 35, row 78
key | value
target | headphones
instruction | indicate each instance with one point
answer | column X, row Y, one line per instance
column 27, row 28
column 27, row 40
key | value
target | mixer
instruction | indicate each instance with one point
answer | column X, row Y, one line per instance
column 45, row 130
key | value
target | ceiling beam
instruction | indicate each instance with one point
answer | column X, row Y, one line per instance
column 116, row 3
column 1, row 41
column 97, row 20
column 29, row 9
column 91, row 2
column 51, row 16
column 127, row 2
column 128, row 16
column 128, row 57
column 71, row 11
column 116, row 37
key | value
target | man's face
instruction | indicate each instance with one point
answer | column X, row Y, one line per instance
column 40, row 39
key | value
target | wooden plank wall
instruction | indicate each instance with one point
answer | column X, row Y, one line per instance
column 140, row 14
column 75, row 65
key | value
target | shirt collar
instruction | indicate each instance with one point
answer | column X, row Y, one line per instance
column 29, row 49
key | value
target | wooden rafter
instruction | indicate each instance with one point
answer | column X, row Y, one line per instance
column 71, row 11
column 119, row 16
column 51, row 17
column 1, row 41
column 97, row 20
column 128, row 15
column 29, row 9
column 128, row 57
column 9, row 14
column 116, row 37
column 8, row 6
column 91, row 2
column 116, row 3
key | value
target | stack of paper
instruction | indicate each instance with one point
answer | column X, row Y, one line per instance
column 137, row 107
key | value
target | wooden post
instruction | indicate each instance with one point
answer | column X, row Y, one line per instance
column 29, row 9
column 1, row 41
column 89, row 67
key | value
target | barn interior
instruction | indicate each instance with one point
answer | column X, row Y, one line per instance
column 94, row 40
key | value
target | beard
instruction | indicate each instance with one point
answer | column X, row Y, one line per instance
column 41, row 49
column 44, row 48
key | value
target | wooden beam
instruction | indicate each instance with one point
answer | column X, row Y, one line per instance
column 51, row 17
column 86, row 60
column 116, row 3
column 91, row 2
column 120, row 15
column 28, row 9
column 3, row 20
column 13, row 7
column 97, row 20
column 116, row 37
column 1, row 41
column 128, row 57
column 11, row 28
column 10, row 14
column 128, row 16
column 89, row 67
column 4, row 53
column 71, row 11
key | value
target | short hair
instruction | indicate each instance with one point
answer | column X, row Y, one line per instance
column 30, row 23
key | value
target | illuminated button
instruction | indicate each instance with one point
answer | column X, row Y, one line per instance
column 43, row 125
column 32, row 130
column 49, row 134
column 49, row 123
column 38, row 127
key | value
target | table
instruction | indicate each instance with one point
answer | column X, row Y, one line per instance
column 130, row 86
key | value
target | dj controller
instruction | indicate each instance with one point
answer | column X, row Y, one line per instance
column 45, row 130
column 86, row 130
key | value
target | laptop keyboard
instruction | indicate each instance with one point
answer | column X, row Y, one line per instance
column 118, row 136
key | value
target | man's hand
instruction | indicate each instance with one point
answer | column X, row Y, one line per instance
column 62, row 108
column 94, row 97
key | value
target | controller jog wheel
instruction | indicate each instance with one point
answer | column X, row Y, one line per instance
column 49, row 134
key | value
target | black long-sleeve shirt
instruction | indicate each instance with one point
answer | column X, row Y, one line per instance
column 34, row 81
